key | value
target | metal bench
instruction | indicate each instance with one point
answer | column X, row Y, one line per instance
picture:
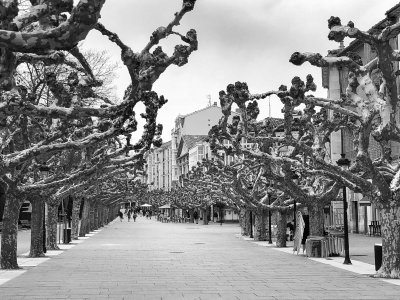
column 375, row 228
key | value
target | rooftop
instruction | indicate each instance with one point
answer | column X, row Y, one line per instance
column 190, row 141
column 392, row 12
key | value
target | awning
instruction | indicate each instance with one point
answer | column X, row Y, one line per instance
column 146, row 205
column 165, row 206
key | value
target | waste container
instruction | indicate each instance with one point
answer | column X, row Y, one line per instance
column 315, row 246
column 378, row 256
column 67, row 235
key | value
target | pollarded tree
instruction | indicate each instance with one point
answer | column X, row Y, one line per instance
column 302, row 139
column 46, row 32
column 370, row 107
column 144, row 67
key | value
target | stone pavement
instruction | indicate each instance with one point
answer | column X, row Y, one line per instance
column 152, row 260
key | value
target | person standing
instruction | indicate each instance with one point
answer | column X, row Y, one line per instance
column 129, row 215
column 121, row 215
column 134, row 216
column 196, row 216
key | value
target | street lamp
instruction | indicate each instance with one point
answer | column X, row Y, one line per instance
column 250, row 188
column 269, row 221
column 251, row 224
column 345, row 163
column 44, row 170
column 295, row 178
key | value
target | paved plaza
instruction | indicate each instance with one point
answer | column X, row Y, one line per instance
column 152, row 260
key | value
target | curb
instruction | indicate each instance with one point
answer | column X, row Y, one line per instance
column 357, row 267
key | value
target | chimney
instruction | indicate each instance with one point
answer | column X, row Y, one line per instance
column 215, row 103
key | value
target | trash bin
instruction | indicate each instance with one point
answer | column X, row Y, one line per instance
column 378, row 256
column 67, row 235
column 315, row 246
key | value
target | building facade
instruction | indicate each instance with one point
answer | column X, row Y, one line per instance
column 361, row 210
column 165, row 165
column 159, row 167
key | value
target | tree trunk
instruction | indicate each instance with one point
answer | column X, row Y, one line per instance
column 52, row 221
column 205, row 219
column 10, row 232
column 106, row 215
column 110, row 214
column 101, row 209
column 37, row 218
column 103, row 216
column 390, row 228
column 244, row 221
column 76, row 207
column 281, row 229
column 191, row 214
column 91, row 217
column 85, row 219
column 260, row 223
column 248, row 222
column 96, row 217
column 316, row 213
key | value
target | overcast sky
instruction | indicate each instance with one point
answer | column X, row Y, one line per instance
column 239, row 40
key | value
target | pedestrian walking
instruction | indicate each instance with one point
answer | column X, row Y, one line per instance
column 147, row 214
column 196, row 216
column 134, row 216
column 129, row 215
column 121, row 215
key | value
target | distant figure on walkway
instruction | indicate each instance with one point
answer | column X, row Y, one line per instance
column 290, row 231
column 129, row 215
column 134, row 216
column 306, row 232
column 196, row 216
column 121, row 215
column 147, row 214
column 141, row 213
column 150, row 213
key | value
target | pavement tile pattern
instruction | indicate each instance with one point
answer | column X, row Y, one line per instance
column 147, row 259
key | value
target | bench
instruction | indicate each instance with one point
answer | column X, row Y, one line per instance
column 375, row 228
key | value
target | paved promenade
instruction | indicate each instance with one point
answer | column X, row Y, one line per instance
column 153, row 260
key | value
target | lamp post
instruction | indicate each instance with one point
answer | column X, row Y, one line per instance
column 251, row 225
column 345, row 163
column 250, row 188
column 295, row 178
column 269, row 221
column 44, row 170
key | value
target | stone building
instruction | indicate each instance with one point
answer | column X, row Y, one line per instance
column 167, row 164
column 361, row 210
column 164, row 164
column 159, row 167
